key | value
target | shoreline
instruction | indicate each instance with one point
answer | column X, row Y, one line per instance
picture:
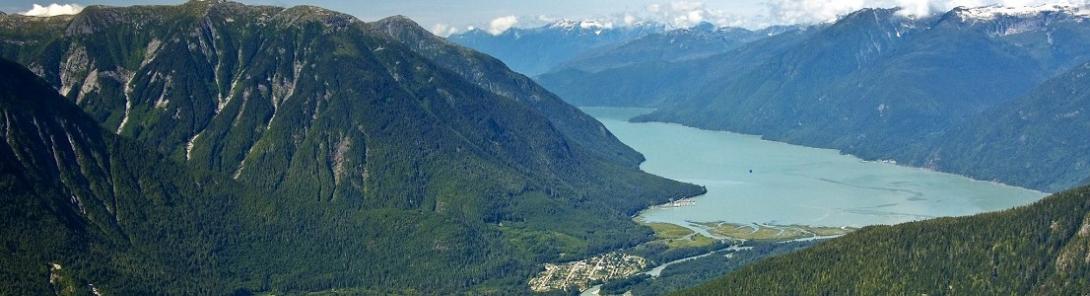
column 888, row 161
column 729, row 230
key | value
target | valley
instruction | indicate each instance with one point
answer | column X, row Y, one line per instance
column 754, row 181
column 954, row 113
column 762, row 193
column 211, row 147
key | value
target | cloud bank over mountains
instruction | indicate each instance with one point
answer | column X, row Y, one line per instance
column 501, row 24
column 53, row 9
column 688, row 13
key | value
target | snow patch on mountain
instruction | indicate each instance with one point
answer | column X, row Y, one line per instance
column 588, row 24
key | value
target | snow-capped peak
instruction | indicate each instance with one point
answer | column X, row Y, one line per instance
column 563, row 24
column 986, row 13
column 583, row 24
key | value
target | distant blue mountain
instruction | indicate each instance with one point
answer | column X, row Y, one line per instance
column 659, row 68
column 533, row 51
column 699, row 41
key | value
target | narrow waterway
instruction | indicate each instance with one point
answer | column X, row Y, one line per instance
column 751, row 180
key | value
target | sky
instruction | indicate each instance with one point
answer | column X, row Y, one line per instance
column 451, row 16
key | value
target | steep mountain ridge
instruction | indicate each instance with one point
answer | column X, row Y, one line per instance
column 490, row 74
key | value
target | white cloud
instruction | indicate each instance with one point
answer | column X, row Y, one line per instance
column 443, row 30
column 686, row 5
column 915, row 8
column 53, row 9
column 683, row 13
column 811, row 11
column 501, row 24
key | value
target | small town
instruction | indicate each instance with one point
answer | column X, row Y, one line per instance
column 582, row 274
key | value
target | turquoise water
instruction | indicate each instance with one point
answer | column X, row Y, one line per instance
column 792, row 184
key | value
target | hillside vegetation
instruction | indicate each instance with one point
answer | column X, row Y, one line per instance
column 83, row 208
column 1040, row 249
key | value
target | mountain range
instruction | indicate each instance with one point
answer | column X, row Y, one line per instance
column 533, row 51
column 702, row 40
column 652, row 81
column 394, row 162
column 874, row 84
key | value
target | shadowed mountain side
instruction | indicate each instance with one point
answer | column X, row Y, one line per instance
column 84, row 209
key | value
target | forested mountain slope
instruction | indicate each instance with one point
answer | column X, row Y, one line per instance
column 490, row 74
column 1041, row 249
column 392, row 163
column 84, row 209
column 866, row 84
column 1042, row 139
